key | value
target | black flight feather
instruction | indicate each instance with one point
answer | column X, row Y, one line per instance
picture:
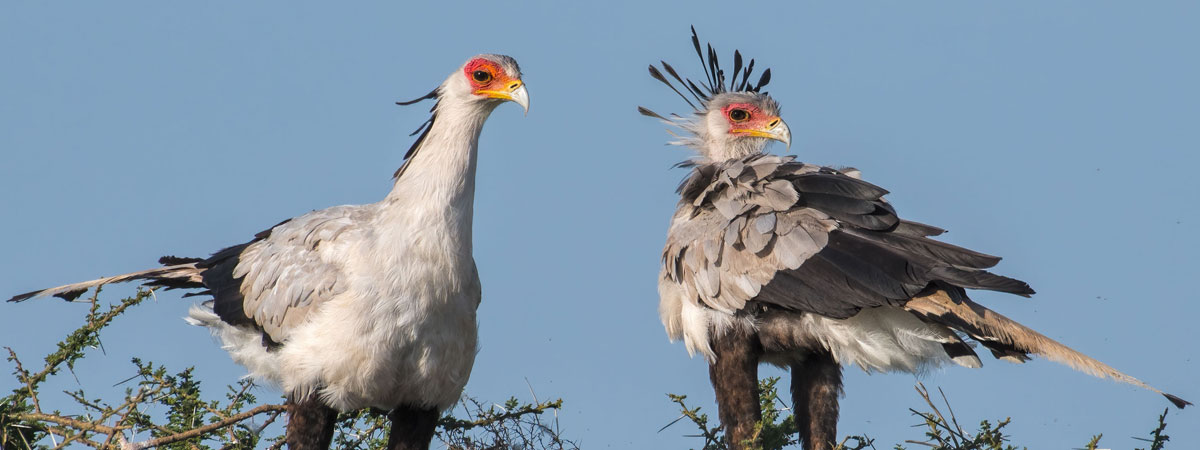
column 928, row 248
column 861, row 258
column 881, row 280
column 917, row 229
column 880, row 220
column 836, row 205
column 823, row 183
column 980, row 279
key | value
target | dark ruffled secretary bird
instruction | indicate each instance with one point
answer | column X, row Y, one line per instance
column 807, row 267
column 361, row 305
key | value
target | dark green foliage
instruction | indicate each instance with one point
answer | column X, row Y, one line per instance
column 945, row 434
column 514, row 426
column 167, row 410
column 777, row 429
column 1158, row 439
column 714, row 438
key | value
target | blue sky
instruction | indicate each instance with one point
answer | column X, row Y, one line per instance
column 1062, row 136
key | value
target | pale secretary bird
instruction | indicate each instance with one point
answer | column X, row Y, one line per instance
column 808, row 268
column 361, row 305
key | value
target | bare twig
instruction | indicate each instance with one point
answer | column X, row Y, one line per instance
column 23, row 375
column 205, row 429
column 67, row 421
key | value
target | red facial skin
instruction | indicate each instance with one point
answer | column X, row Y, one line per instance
column 499, row 82
column 756, row 121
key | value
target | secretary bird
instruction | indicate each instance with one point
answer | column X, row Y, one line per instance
column 361, row 305
column 807, row 267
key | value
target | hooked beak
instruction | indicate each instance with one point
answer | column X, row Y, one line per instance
column 774, row 129
column 514, row 92
column 779, row 131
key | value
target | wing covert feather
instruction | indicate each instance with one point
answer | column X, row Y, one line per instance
column 294, row 269
column 803, row 237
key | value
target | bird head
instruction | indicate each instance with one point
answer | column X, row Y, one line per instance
column 730, row 120
column 738, row 124
column 472, row 92
column 489, row 80
column 484, row 80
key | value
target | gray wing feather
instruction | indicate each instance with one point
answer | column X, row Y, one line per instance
column 806, row 237
column 742, row 228
column 293, row 271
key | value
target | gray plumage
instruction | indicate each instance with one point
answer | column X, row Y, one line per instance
column 745, row 224
column 759, row 232
column 285, row 278
column 809, row 267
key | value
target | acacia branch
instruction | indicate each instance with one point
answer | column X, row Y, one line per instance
column 23, row 375
column 204, row 429
column 67, row 353
column 449, row 424
column 68, row 422
column 130, row 406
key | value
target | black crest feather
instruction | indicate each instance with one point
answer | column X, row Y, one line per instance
column 714, row 77
column 423, row 129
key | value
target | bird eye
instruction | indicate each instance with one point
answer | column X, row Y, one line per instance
column 481, row 76
column 739, row 115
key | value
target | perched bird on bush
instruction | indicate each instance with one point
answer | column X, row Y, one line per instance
column 361, row 305
column 807, row 267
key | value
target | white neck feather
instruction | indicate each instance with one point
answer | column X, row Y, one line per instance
column 437, row 188
column 705, row 134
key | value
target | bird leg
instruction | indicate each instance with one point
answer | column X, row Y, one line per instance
column 412, row 428
column 734, row 375
column 816, row 386
column 310, row 424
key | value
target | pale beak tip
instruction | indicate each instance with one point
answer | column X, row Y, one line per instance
column 783, row 134
column 521, row 97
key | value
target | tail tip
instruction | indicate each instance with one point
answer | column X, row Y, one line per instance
column 1178, row 402
column 23, row 297
column 69, row 296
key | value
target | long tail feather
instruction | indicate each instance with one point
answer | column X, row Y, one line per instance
column 987, row 326
column 179, row 275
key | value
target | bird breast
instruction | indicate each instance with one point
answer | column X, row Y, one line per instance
column 404, row 332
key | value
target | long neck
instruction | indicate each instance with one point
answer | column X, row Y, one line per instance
column 437, row 186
